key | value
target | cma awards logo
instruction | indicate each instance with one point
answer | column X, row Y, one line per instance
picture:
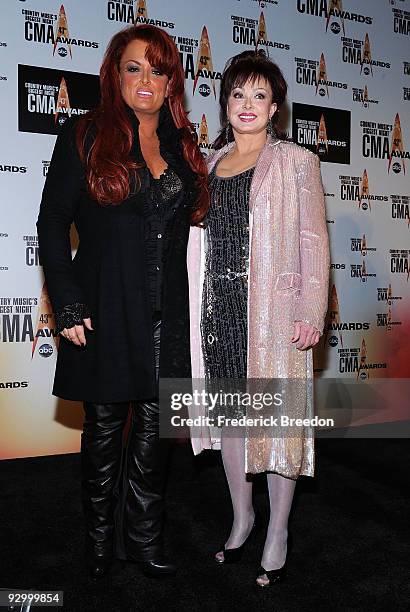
column 400, row 262
column 53, row 29
column 44, row 101
column 385, row 294
column 203, row 135
column 357, row 189
column 253, row 33
column 377, row 144
column 334, row 324
column 362, row 97
column 359, row 52
column 134, row 12
column 385, row 319
column 314, row 73
column 325, row 131
column 333, row 13
column 359, row 245
column 356, row 361
column 204, row 67
column 360, row 272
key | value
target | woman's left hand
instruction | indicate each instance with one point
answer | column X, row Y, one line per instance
column 305, row 335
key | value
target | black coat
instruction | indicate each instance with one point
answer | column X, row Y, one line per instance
column 108, row 274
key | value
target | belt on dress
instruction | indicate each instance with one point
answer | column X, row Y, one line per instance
column 230, row 275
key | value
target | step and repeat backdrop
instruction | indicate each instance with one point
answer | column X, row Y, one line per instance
column 347, row 64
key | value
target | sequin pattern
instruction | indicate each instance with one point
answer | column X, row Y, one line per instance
column 224, row 304
column 167, row 186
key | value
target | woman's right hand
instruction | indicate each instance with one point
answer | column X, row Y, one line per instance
column 76, row 333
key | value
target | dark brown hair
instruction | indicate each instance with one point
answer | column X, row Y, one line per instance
column 250, row 66
column 108, row 164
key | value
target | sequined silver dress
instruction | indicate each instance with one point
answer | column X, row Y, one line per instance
column 225, row 291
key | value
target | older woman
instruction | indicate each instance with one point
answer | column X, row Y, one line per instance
column 131, row 177
column 258, row 288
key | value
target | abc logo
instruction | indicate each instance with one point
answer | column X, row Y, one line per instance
column 366, row 70
column 397, row 167
column 62, row 52
column 322, row 92
column 333, row 341
column 335, row 27
column 45, row 350
column 363, row 375
column 364, row 205
column 62, row 120
column 204, row 90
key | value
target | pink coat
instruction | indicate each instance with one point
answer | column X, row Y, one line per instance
column 288, row 281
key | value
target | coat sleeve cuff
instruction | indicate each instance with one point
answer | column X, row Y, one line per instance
column 314, row 314
column 70, row 315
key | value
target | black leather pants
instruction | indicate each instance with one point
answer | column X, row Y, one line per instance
column 124, row 491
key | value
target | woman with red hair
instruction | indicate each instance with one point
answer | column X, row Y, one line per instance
column 130, row 176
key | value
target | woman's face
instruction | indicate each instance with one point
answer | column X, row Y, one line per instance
column 250, row 107
column 143, row 87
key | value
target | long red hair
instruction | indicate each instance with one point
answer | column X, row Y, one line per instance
column 107, row 161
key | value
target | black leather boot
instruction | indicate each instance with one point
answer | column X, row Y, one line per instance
column 144, row 480
column 144, row 504
column 101, row 455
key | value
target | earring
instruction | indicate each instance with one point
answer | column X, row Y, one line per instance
column 228, row 133
column 269, row 128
